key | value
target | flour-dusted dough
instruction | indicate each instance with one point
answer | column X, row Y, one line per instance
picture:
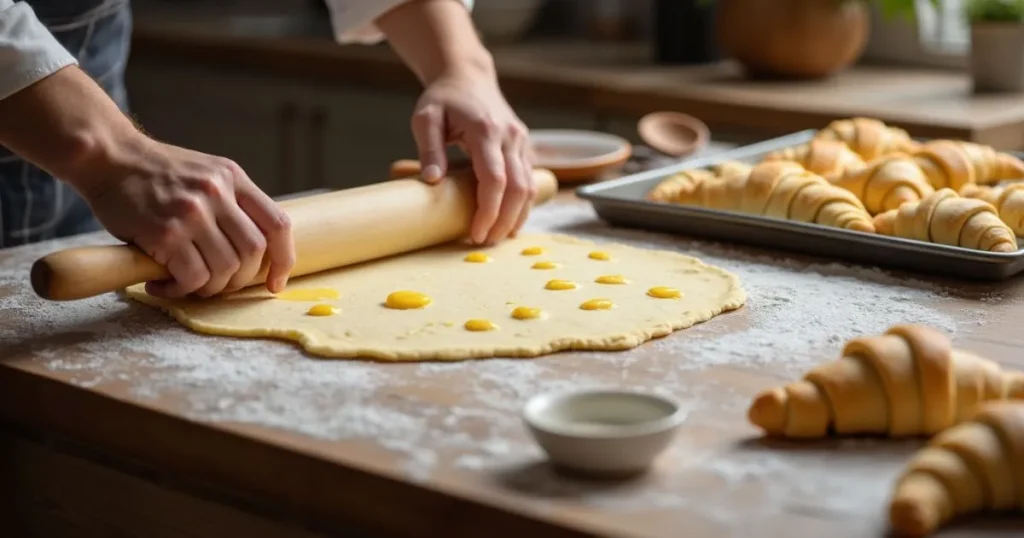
column 460, row 291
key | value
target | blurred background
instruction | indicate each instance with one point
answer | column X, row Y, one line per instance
column 263, row 82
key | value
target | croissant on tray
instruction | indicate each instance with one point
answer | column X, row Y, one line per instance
column 909, row 381
column 868, row 137
column 667, row 190
column 1008, row 201
column 946, row 218
column 972, row 467
column 780, row 189
column 827, row 158
column 953, row 164
column 886, row 183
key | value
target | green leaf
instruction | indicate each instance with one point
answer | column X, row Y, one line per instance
column 906, row 9
column 994, row 10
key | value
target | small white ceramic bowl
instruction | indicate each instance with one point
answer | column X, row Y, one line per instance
column 603, row 432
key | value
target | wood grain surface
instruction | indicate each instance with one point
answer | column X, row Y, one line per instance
column 270, row 439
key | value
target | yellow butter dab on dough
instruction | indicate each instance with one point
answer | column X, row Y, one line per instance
column 611, row 279
column 597, row 304
column 477, row 257
column 559, row 285
column 532, row 251
column 479, row 325
column 545, row 265
column 321, row 310
column 526, row 312
column 599, row 255
column 662, row 292
column 308, row 294
column 406, row 300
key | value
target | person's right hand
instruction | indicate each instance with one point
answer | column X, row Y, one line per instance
column 197, row 214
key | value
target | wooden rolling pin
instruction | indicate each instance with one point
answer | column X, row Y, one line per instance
column 330, row 230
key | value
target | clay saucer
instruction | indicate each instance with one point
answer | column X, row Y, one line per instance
column 571, row 155
column 577, row 155
column 673, row 133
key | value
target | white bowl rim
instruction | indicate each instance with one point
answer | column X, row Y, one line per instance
column 534, row 406
column 556, row 137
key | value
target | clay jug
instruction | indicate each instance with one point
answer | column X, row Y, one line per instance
column 792, row 38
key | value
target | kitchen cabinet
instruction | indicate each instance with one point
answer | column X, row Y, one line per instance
column 287, row 135
column 298, row 134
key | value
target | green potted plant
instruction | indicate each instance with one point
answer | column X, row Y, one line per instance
column 997, row 44
column 798, row 38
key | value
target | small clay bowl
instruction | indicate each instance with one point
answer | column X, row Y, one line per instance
column 673, row 133
column 577, row 155
column 603, row 433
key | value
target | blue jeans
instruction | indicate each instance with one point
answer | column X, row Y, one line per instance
column 35, row 206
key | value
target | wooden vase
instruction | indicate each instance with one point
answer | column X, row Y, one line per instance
column 793, row 38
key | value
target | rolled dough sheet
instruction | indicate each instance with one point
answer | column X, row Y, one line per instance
column 363, row 327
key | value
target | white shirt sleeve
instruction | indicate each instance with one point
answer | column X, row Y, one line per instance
column 28, row 51
column 353, row 19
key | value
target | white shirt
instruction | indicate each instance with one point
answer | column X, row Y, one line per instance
column 353, row 19
column 29, row 53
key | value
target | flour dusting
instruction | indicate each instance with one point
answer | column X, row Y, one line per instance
column 465, row 416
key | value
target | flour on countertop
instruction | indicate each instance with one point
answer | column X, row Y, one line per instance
column 798, row 313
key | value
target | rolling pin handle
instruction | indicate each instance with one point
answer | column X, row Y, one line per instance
column 81, row 272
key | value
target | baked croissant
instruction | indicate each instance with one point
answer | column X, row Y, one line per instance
column 886, row 183
column 868, row 137
column 953, row 164
column 667, row 190
column 1008, row 201
column 974, row 466
column 908, row 382
column 827, row 158
column 945, row 218
column 780, row 189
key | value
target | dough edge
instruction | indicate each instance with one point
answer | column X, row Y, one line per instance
column 734, row 299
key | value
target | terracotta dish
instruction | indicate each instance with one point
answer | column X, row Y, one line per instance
column 574, row 155
column 673, row 133
column 570, row 155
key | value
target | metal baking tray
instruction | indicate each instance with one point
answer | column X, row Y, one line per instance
column 621, row 202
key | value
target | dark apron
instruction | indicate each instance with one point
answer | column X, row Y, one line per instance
column 33, row 205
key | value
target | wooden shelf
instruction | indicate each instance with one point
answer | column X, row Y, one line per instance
column 619, row 79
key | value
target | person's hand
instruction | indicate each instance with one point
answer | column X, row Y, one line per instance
column 197, row 214
column 468, row 109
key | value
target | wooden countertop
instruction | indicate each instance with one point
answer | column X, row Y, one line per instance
column 614, row 78
column 409, row 449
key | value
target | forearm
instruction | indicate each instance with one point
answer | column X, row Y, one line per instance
column 436, row 37
column 67, row 125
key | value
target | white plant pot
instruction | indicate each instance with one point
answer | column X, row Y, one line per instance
column 997, row 57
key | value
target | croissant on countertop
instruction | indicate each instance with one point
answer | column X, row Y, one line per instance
column 827, row 158
column 1007, row 199
column 780, row 189
column 946, row 218
column 953, row 164
column 886, row 183
column 668, row 189
column 975, row 466
column 909, row 381
column 868, row 137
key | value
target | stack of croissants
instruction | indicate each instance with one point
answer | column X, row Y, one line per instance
column 861, row 174
column 911, row 382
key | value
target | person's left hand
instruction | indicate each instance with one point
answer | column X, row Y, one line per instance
column 469, row 110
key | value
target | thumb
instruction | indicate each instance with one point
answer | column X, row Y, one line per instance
column 428, row 130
